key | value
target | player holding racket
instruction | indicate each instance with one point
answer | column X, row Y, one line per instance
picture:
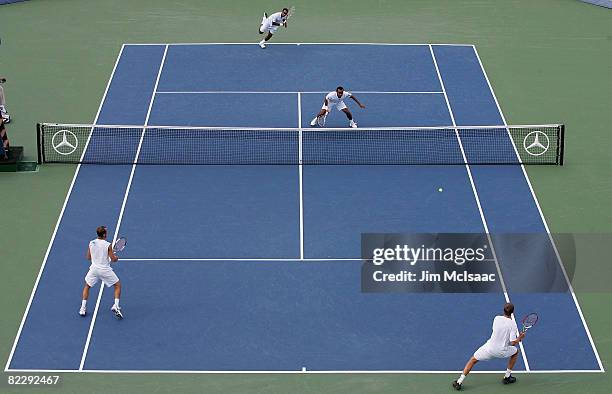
column 502, row 344
column 101, row 254
column 270, row 24
column 336, row 99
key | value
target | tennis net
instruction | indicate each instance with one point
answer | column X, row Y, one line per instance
column 116, row 144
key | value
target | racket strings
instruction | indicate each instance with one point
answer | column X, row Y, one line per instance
column 529, row 321
column 120, row 244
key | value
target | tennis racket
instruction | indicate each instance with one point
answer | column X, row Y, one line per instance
column 291, row 12
column 289, row 15
column 120, row 244
column 321, row 120
column 529, row 321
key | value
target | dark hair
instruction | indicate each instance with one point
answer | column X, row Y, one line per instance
column 339, row 88
column 508, row 309
column 286, row 9
column 101, row 231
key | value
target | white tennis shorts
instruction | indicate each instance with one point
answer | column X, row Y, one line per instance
column 107, row 276
column 339, row 106
column 268, row 27
column 484, row 353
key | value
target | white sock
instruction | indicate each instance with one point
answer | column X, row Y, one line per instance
column 84, row 304
column 460, row 380
column 262, row 41
column 508, row 372
column 117, row 302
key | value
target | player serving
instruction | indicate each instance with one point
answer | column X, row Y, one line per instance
column 502, row 344
column 336, row 99
column 270, row 24
column 101, row 254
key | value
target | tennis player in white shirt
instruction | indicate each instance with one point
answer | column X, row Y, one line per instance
column 270, row 24
column 336, row 100
column 502, row 344
column 100, row 253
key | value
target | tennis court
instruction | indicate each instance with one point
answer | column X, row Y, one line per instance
column 257, row 267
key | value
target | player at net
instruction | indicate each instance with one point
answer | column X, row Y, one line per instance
column 333, row 100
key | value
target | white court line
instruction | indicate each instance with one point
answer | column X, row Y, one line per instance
column 289, row 92
column 277, row 372
column 535, row 199
column 123, row 204
column 482, row 216
column 264, row 259
column 61, row 215
column 293, row 43
column 239, row 259
column 300, row 170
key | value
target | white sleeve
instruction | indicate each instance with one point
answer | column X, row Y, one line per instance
column 515, row 332
column 348, row 94
column 330, row 96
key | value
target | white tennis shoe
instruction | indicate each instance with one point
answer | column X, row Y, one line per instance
column 83, row 311
column 262, row 44
column 353, row 124
column 117, row 311
column 313, row 122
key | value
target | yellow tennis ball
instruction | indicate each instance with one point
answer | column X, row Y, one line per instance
column 440, row 189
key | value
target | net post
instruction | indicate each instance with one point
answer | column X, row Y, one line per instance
column 561, row 145
column 39, row 143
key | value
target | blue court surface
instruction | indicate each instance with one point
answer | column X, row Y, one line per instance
column 256, row 268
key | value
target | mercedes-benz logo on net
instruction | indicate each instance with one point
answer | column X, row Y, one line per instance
column 64, row 142
column 536, row 143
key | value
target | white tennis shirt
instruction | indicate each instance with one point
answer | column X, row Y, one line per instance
column 333, row 99
column 98, row 249
column 276, row 17
column 504, row 331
